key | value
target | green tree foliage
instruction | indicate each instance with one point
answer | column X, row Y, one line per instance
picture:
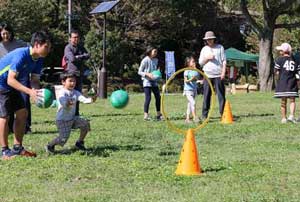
column 265, row 17
column 28, row 16
column 177, row 25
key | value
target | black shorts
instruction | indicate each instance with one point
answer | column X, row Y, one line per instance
column 10, row 101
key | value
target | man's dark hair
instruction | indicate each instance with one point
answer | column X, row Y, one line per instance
column 65, row 75
column 7, row 27
column 74, row 31
column 40, row 37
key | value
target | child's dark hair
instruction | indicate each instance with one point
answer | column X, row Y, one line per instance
column 65, row 75
column 188, row 60
column 149, row 50
column 40, row 37
column 7, row 27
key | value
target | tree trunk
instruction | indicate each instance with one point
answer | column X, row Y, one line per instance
column 265, row 70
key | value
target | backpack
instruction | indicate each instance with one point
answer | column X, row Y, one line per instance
column 64, row 63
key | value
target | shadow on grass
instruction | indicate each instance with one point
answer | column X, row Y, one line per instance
column 182, row 118
column 168, row 153
column 237, row 118
column 116, row 114
column 52, row 122
column 43, row 132
column 210, row 170
column 101, row 151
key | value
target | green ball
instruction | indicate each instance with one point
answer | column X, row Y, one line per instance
column 46, row 98
column 191, row 74
column 119, row 99
column 157, row 75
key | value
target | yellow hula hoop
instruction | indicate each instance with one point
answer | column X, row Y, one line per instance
column 204, row 123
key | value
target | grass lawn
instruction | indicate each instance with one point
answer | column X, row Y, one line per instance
column 254, row 159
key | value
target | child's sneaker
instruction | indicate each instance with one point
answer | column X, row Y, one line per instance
column 196, row 120
column 159, row 118
column 187, row 121
column 147, row 118
column 23, row 152
column 50, row 149
column 284, row 120
column 7, row 154
column 292, row 119
column 80, row 145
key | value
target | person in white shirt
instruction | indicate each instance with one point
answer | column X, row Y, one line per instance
column 66, row 118
column 213, row 60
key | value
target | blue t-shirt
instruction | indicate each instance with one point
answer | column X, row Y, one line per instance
column 190, row 86
column 21, row 62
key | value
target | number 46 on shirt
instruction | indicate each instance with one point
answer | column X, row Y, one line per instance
column 289, row 65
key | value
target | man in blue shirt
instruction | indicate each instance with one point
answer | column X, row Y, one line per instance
column 15, row 70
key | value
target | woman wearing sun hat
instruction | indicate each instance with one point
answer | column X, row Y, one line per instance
column 213, row 60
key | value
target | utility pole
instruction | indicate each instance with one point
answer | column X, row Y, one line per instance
column 69, row 16
column 103, row 8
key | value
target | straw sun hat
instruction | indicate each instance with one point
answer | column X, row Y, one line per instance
column 209, row 35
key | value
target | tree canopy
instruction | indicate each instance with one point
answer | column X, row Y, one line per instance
column 177, row 25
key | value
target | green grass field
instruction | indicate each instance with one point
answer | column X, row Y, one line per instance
column 254, row 159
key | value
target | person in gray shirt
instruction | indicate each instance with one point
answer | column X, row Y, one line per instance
column 75, row 55
column 148, row 65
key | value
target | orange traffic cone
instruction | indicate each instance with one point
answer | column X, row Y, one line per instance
column 188, row 163
column 227, row 114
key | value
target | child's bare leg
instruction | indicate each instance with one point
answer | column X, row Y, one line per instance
column 188, row 111
column 283, row 108
column 292, row 107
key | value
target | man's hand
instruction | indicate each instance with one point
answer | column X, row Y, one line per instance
column 35, row 94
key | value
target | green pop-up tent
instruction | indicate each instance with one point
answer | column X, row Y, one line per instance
column 240, row 59
column 237, row 55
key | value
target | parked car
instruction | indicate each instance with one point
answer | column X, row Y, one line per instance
column 51, row 74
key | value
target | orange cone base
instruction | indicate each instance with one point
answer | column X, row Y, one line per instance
column 227, row 117
column 188, row 163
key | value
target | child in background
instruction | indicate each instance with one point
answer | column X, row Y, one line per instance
column 286, row 69
column 148, row 65
column 190, row 88
column 66, row 118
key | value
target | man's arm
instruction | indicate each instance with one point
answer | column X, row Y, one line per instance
column 70, row 57
column 13, row 82
column 85, row 55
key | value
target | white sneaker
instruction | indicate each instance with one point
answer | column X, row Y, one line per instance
column 291, row 119
column 284, row 120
